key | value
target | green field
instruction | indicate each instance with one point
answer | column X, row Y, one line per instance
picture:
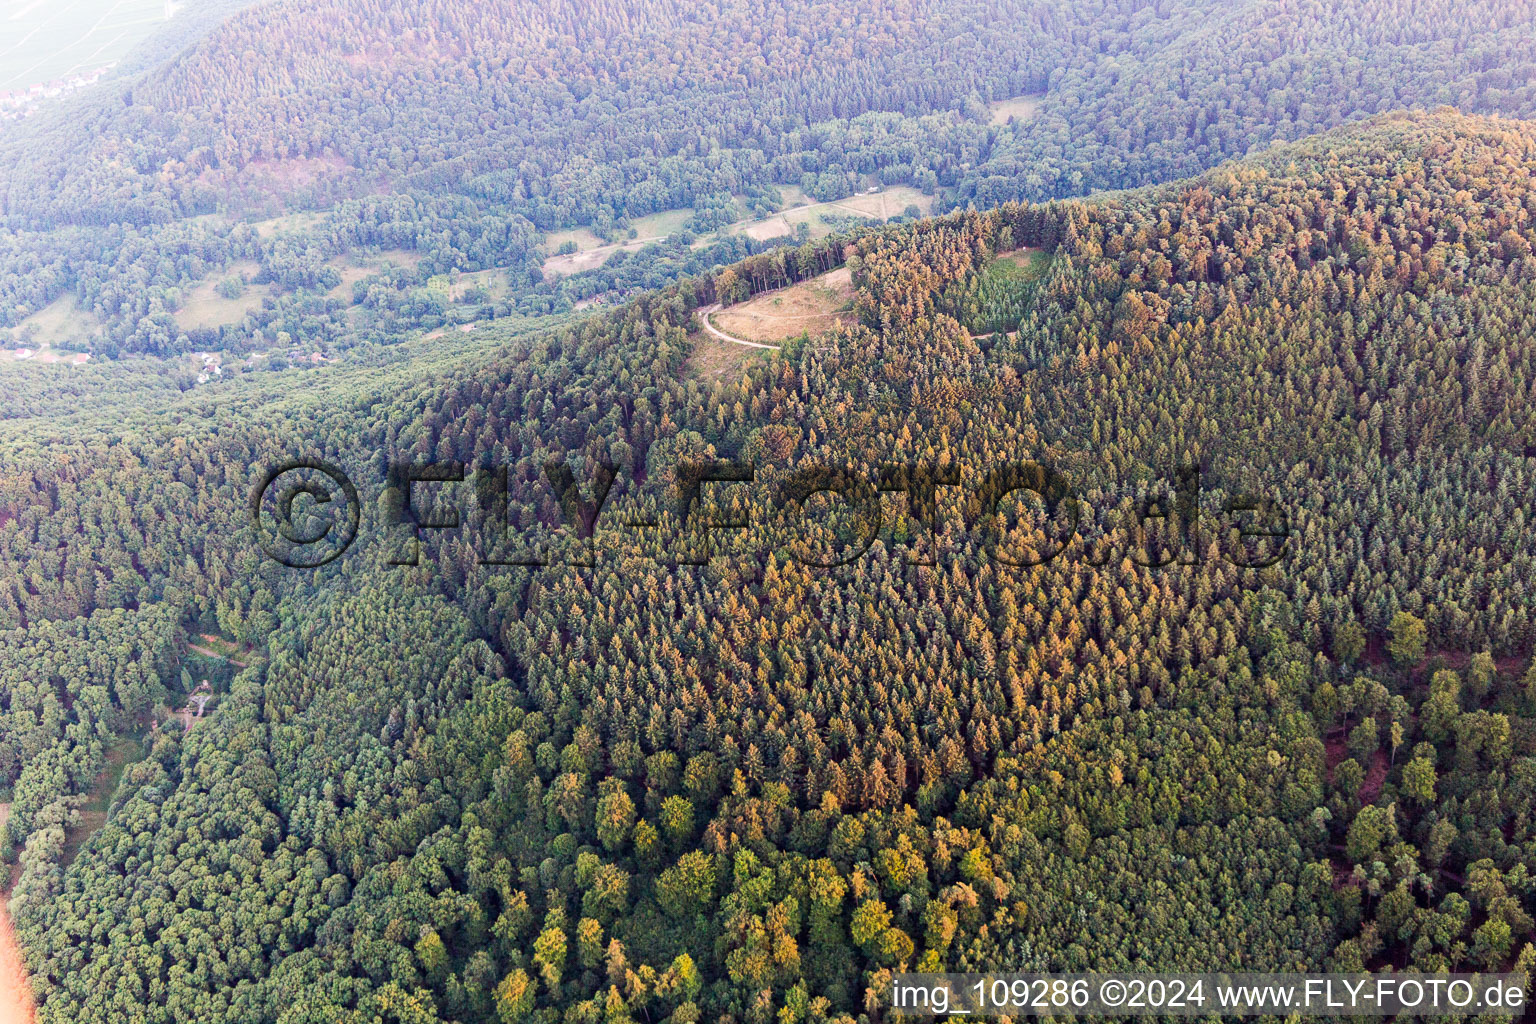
column 1003, row 290
column 203, row 306
column 659, row 225
column 456, row 287
column 304, row 220
column 822, row 218
column 56, row 325
column 43, row 41
column 124, row 750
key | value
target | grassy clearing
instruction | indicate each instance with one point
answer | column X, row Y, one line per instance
column 125, row 750
column 583, row 237
column 1032, row 262
column 794, row 195
column 888, row 202
column 354, row 268
column 713, row 359
column 203, row 306
column 823, row 218
column 589, row 259
column 351, row 273
column 1021, row 107
column 1003, row 290
column 60, row 322
column 771, row 227
column 222, row 647
column 399, row 257
column 457, row 288
column 660, row 225
column 592, row 252
column 302, row 221
column 810, row 307
column 372, row 263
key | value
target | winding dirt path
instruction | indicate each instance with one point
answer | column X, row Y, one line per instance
column 211, row 653
column 717, row 332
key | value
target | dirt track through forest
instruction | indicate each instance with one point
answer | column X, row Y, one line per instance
column 717, row 332
column 16, row 1006
column 16, row 1003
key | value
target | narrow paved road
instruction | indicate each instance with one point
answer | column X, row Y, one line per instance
column 704, row 315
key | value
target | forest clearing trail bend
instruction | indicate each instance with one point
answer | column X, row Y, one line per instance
column 717, row 332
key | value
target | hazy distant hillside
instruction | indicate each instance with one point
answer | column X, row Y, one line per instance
column 580, row 99
column 456, row 136
column 1196, row 84
column 573, row 104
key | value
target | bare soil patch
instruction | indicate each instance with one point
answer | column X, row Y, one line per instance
column 1375, row 778
column 1024, row 257
column 810, row 307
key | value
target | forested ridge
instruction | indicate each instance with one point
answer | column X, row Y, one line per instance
column 465, row 132
column 745, row 791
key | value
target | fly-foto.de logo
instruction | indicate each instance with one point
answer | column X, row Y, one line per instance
column 306, row 513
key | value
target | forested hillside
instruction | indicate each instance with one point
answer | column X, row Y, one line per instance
column 463, row 134
column 744, row 791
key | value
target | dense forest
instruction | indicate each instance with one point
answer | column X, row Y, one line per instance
column 465, row 132
column 715, row 777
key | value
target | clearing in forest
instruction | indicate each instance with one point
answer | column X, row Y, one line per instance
column 591, row 259
column 1003, row 290
column 353, row 268
column 1031, row 263
column 592, row 252
column 1021, row 107
column 125, row 750
column 810, row 307
column 823, row 218
column 820, row 218
column 60, row 322
column 213, row 646
column 302, row 220
column 204, row 306
column 715, row 359
column 457, row 287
